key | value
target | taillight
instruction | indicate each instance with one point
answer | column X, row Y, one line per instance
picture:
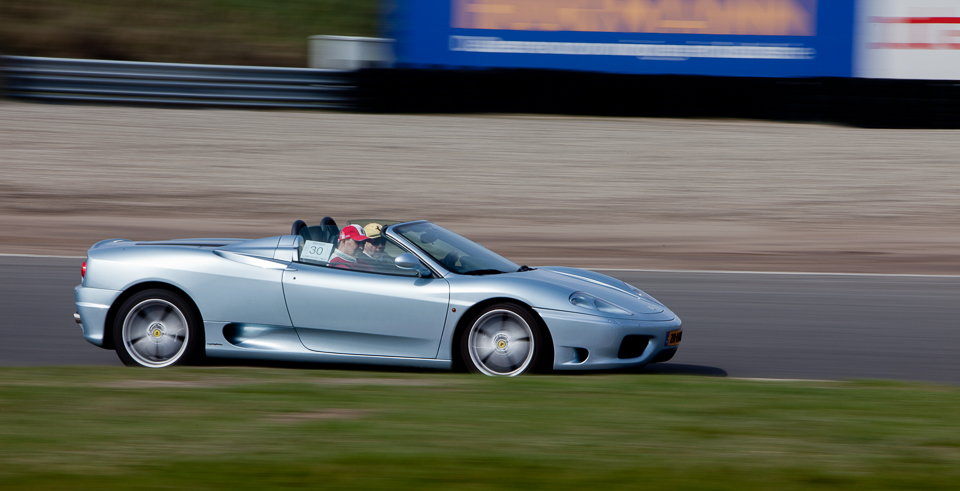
column 83, row 269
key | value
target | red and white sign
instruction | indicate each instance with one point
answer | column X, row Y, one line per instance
column 908, row 39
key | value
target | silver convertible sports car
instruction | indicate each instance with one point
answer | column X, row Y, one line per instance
column 374, row 292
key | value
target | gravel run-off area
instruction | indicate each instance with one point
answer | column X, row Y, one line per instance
column 578, row 191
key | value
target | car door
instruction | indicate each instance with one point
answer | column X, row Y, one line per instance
column 362, row 313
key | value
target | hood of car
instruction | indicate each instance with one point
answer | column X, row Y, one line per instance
column 601, row 279
column 565, row 281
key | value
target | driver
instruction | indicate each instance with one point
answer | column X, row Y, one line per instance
column 371, row 250
column 352, row 238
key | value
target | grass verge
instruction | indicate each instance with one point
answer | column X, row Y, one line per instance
column 256, row 428
column 243, row 32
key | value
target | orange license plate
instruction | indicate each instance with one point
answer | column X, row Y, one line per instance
column 673, row 337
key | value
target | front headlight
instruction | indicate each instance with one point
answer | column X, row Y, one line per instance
column 590, row 302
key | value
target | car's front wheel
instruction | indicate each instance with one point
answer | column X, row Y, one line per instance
column 157, row 328
column 502, row 340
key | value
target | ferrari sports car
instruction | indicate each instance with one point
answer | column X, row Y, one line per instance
column 374, row 292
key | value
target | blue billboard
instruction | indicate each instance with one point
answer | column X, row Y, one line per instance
column 747, row 38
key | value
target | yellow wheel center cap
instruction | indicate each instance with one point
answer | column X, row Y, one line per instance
column 501, row 344
column 157, row 333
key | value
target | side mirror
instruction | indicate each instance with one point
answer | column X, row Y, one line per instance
column 409, row 261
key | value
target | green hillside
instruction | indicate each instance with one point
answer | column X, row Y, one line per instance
column 245, row 32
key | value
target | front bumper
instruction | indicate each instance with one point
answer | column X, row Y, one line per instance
column 589, row 342
column 92, row 306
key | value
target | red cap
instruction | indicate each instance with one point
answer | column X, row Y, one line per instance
column 353, row 232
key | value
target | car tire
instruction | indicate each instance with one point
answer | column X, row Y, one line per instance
column 502, row 340
column 158, row 328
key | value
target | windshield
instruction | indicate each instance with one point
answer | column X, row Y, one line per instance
column 454, row 252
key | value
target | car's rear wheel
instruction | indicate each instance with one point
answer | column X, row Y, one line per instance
column 503, row 340
column 157, row 328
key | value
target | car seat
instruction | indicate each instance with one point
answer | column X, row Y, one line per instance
column 327, row 231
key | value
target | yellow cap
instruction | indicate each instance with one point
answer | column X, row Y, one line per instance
column 373, row 230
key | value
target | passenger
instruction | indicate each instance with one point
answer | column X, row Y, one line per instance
column 371, row 251
column 344, row 256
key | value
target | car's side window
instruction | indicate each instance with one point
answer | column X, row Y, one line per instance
column 365, row 259
column 384, row 264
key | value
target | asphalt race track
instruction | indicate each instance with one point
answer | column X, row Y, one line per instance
column 811, row 326
column 758, row 325
column 37, row 327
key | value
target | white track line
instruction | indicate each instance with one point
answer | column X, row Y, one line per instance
column 645, row 270
column 755, row 379
column 775, row 272
column 42, row 255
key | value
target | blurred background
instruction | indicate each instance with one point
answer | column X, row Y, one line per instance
column 227, row 32
column 737, row 171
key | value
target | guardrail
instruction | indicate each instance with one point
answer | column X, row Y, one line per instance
column 174, row 83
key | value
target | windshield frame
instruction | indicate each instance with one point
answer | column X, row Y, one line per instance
column 428, row 258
